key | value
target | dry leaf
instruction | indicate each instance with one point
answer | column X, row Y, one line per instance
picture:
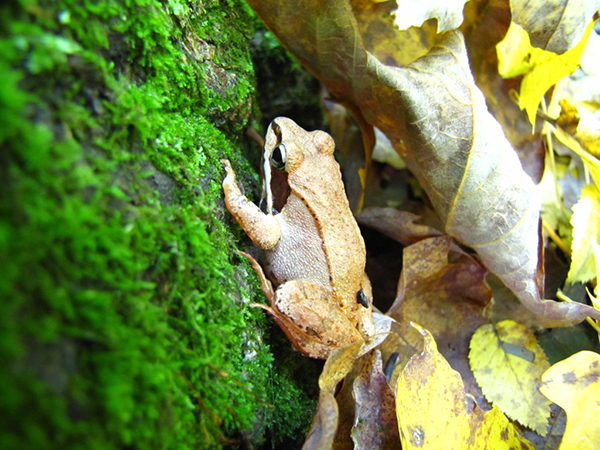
column 454, row 146
column 449, row 13
column 574, row 384
column 432, row 409
column 582, row 125
column 434, row 412
column 497, row 432
column 382, row 38
column 442, row 288
column 554, row 25
column 508, row 362
column 396, row 224
column 586, row 232
column 541, row 69
column 323, row 429
column 484, row 28
column 375, row 424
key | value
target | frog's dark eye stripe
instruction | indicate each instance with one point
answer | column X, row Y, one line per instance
column 362, row 298
column 279, row 157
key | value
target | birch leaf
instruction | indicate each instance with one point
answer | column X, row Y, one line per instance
column 507, row 362
column 574, row 385
column 554, row 25
column 455, row 148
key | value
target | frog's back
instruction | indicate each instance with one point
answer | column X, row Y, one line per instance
column 342, row 242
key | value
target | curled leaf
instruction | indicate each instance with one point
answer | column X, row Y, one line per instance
column 396, row 224
column 554, row 25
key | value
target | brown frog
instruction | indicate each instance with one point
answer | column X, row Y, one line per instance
column 314, row 266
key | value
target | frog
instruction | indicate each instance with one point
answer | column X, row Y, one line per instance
column 313, row 254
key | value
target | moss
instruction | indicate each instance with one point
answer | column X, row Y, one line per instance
column 122, row 324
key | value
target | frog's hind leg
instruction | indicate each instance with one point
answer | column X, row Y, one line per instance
column 315, row 325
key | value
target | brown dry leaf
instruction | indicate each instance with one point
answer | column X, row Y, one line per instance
column 434, row 412
column 382, row 38
column 442, row 288
column 454, row 147
column 324, row 430
column 375, row 423
column 396, row 224
column 554, row 25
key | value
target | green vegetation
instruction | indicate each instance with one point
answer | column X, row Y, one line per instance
column 123, row 323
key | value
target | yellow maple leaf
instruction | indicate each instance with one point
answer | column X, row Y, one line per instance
column 507, row 363
column 434, row 411
column 574, row 385
column 541, row 68
column 586, row 230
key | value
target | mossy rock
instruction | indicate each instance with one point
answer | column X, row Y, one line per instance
column 124, row 323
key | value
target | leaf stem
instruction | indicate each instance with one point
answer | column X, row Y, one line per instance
column 548, row 132
column 557, row 239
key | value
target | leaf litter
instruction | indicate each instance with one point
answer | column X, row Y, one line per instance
column 416, row 87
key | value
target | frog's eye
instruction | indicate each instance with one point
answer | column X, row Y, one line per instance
column 279, row 157
column 362, row 298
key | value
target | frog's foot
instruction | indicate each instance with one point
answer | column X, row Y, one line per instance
column 265, row 284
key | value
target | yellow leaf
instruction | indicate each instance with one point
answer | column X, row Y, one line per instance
column 591, row 162
column 586, row 230
column 542, row 69
column 496, row 432
column 574, row 385
column 507, row 362
column 435, row 413
column 431, row 405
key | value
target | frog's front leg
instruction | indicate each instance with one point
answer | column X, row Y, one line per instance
column 263, row 229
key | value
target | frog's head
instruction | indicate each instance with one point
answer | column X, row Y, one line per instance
column 290, row 148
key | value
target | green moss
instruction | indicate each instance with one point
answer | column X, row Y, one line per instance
column 121, row 324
